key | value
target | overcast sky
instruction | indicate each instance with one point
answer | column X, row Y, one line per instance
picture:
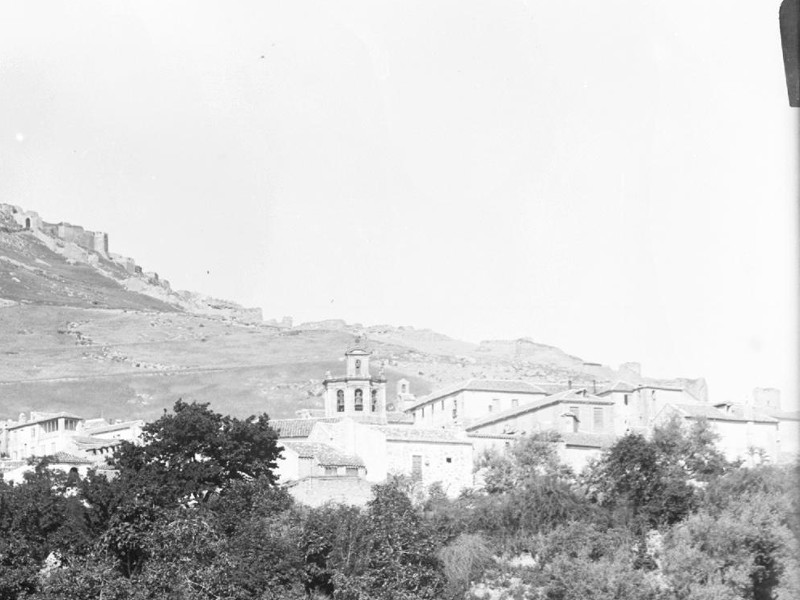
column 616, row 178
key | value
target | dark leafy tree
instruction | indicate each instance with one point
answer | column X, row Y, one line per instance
column 386, row 552
column 186, row 458
column 195, row 452
column 38, row 518
column 657, row 481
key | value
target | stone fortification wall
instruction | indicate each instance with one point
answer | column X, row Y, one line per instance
column 93, row 241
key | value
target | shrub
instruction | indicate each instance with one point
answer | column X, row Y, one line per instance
column 464, row 560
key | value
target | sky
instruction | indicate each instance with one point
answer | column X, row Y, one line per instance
column 618, row 179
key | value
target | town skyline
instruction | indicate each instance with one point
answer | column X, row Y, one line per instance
column 621, row 188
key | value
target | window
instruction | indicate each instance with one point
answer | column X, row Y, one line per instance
column 330, row 471
column 455, row 409
column 351, row 471
column 448, row 459
column 70, row 424
column 374, row 400
column 33, row 432
column 50, row 426
column 359, row 401
column 358, row 367
column 496, row 404
column 490, row 408
column 576, row 421
column 422, row 413
column 403, row 389
column 598, row 418
column 625, row 399
column 442, row 405
column 514, row 403
column 339, row 400
column 416, row 467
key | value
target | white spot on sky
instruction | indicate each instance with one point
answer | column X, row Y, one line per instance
column 20, row 137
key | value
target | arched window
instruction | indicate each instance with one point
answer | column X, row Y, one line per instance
column 404, row 389
column 359, row 403
column 358, row 366
column 340, row 401
column 27, row 223
column 374, row 400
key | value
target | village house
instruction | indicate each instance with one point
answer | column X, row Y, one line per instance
column 585, row 423
column 744, row 433
column 466, row 402
column 68, row 439
column 636, row 406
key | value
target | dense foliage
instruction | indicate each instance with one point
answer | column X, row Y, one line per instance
column 194, row 513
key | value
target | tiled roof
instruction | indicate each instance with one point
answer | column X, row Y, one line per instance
column 112, row 427
column 326, row 455
column 588, row 440
column 513, row 386
column 573, row 396
column 784, row 415
column 398, row 418
column 368, row 418
column 88, row 442
column 45, row 417
column 499, row 436
column 65, row 458
column 705, row 411
column 296, row 428
column 617, row 386
column 402, row 433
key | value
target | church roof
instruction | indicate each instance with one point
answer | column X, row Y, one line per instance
column 324, row 454
column 297, row 428
column 359, row 346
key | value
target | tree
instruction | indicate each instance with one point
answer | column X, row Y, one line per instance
column 527, row 460
column 37, row 519
column 386, row 552
column 657, row 481
column 194, row 452
column 185, row 458
column 742, row 543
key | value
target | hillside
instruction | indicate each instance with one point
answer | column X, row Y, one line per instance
column 82, row 331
